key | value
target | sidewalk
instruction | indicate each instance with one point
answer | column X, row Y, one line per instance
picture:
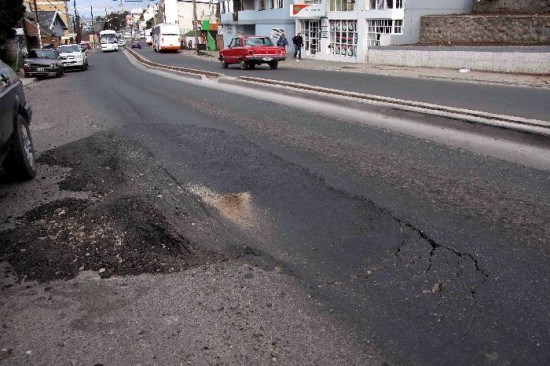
column 541, row 81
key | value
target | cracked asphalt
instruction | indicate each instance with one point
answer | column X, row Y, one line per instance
column 174, row 223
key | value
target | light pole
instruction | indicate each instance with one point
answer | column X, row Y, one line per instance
column 38, row 25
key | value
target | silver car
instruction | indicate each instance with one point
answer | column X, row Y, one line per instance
column 73, row 57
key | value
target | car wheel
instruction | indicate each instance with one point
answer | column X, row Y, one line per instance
column 273, row 65
column 244, row 65
column 251, row 65
column 224, row 64
column 20, row 161
column 26, row 74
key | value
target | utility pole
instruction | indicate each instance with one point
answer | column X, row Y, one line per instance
column 195, row 24
column 38, row 25
column 76, row 25
column 93, row 28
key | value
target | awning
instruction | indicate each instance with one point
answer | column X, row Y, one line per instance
column 308, row 11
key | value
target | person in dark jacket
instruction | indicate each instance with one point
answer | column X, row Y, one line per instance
column 298, row 42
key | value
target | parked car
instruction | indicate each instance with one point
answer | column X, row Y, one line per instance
column 42, row 63
column 16, row 148
column 73, row 57
column 249, row 51
column 136, row 44
column 84, row 46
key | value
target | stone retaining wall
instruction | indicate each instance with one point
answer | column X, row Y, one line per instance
column 485, row 29
column 523, row 6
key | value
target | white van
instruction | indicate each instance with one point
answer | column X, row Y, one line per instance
column 166, row 37
column 148, row 37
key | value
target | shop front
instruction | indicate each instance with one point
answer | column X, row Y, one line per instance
column 308, row 23
column 328, row 36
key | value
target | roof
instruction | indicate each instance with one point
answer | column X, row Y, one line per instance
column 47, row 19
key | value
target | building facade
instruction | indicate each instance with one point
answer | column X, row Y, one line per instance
column 60, row 6
column 341, row 30
column 181, row 12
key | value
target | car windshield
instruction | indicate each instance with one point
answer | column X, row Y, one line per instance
column 42, row 54
column 258, row 41
column 68, row 49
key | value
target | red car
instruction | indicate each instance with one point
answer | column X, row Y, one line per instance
column 249, row 51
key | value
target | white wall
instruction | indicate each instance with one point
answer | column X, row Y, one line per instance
column 414, row 9
column 185, row 14
column 171, row 11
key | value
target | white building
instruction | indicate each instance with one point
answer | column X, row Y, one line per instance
column 181, row 12
column 336, row 29
column 149, row 13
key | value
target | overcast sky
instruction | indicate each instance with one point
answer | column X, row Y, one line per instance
column 99, row 6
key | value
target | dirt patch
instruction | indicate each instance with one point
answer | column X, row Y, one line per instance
column 123, row 232
column 102, row 163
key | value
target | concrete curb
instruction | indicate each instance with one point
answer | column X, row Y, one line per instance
column 532, row 126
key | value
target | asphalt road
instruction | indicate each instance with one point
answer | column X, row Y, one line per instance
column 429, row 253
column 506, row 100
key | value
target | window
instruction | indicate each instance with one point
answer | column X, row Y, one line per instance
column 279, row 4
column 225, row 7
column 341, row 5
column 397, row 27
column 385, row 4
column 376, row 27
column 343, row 38
column 261, row 5
column 271, row 4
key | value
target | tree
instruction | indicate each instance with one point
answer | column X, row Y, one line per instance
column 116, row 21
column 11, row 13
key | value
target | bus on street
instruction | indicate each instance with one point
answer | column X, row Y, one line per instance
column 166, row 37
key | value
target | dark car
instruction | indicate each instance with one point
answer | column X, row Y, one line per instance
column 16, row 148
column 42, row 63
column 136, row 44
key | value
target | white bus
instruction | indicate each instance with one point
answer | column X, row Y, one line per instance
column 166, row 37
column 108, row 40
column 148, row 37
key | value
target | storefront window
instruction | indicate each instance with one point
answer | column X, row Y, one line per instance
column 343, row 38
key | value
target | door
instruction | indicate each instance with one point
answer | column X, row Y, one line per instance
column 312, row 37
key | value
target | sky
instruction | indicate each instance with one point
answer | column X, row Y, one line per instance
column 99, row 6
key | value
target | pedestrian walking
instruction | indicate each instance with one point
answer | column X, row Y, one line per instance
column 282, row 41
column 298, row 42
